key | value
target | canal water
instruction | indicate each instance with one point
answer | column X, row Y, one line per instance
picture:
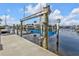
column 69, row 42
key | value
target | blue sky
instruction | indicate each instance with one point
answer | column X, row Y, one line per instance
column 14, row 10
column 65, row 8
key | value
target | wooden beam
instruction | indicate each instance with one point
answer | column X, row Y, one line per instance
column 34, row 15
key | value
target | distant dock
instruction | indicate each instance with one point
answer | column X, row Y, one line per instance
column 14, row 45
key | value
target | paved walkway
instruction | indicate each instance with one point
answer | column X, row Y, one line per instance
column 14, row 45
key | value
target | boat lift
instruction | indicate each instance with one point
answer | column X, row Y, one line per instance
column 44, row 12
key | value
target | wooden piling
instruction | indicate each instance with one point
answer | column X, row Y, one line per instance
column 17, row 29
column 13, row 28
column 21, row 28
column 58, row 43
column 1, row 46
column 45, row 40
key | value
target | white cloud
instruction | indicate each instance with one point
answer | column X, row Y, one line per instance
column 10, row 20
column 71, row 18
column 54, row 16
column 71, row 22
column 30, row 9
column 75, row 11
column 65, row 20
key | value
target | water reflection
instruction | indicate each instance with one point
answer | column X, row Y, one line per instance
column 77, row 33
column 69, row 42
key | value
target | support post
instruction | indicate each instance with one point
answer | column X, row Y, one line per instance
column 45, row 40
column 17, row 29
column 13, row 28
column 57, row 43
column 1, row 46
column 21, row 28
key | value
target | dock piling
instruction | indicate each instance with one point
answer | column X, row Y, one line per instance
column 45, row 40
column 21, row 28
column 58, row 43
column 17, row 30
column 1, row 46
column 13, row 28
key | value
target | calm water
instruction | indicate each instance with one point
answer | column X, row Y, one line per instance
column 69, row 42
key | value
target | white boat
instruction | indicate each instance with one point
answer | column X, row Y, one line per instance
column 5, row 30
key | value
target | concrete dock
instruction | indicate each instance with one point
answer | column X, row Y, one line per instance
column 14, row 45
